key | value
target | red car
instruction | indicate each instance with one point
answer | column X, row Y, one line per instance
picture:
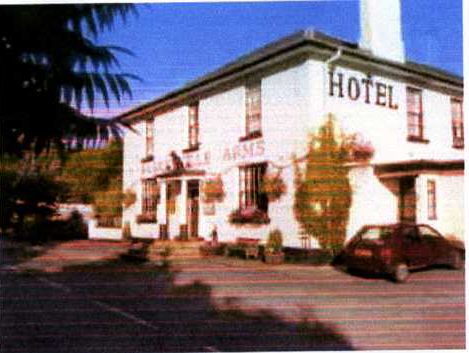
column 397, row 248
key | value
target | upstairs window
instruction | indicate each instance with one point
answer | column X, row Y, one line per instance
column 457, row 123
column 250, row 182
column 149, row 137
column 431, row 194
column 253, row 110
column 194, row 126
column 149, row 198
column 414, row 115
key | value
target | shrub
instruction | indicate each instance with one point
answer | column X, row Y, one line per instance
column 211, row 250
column 274, row 242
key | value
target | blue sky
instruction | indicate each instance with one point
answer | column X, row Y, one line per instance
column 175, row 43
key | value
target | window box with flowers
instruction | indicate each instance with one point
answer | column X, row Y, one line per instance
column 213, row 190
column 249, row 215
column 273, row 186
column 146, row 218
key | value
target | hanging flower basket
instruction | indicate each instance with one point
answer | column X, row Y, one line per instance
column 360, row 150
column 273, row 186
column 213, row 190
column 130, row 197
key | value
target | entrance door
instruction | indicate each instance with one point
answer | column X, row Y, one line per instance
column 407, row 200
column 193, row 208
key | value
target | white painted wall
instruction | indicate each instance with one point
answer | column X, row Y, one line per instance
column 294, row 103
column 449, row 203
column 374, row 201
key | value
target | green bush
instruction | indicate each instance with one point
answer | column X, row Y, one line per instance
column 274, row 242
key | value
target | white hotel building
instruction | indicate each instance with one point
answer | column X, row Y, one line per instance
column 251, row 116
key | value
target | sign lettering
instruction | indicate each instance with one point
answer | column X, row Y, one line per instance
column 371, row 92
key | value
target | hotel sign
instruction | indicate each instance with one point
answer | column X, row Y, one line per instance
column 364, row 89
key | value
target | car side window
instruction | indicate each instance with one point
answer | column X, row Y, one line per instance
column 410, row 234
column 428, row 233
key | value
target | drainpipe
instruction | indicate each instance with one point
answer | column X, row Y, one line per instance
column 327, row 65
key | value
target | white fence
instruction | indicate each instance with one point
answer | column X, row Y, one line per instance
column 95, row 232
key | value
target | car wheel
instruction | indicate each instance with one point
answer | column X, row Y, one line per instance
column 457, row 260
column 401, row 272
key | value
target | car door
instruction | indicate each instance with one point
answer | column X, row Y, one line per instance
column 438, row 247
column 414, row 250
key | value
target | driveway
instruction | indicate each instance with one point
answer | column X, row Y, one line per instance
column 95, row 302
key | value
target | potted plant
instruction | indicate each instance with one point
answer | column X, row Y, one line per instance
column 273, row 253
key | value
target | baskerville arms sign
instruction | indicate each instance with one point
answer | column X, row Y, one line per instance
column 242, row 152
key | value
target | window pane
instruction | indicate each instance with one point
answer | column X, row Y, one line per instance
column 414, row 113
column 250, row 187
column 149, row 137
column 193, row 125
column 431, row 189
column 253, row 109
column 457, row 122
column 149, row 197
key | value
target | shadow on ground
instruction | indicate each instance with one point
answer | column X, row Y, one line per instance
column 137, row 307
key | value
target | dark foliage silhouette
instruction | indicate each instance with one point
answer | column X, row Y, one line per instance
column 51, row 66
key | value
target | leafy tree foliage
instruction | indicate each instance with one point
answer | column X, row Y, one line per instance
column 89, row 171
column 323, row 192
column 50, row 65
column 95, row 176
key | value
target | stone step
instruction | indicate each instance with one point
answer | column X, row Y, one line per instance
column 177, row 250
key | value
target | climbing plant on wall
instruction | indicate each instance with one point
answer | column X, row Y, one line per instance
column 322, row 189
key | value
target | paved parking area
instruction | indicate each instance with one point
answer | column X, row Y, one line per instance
column 219, row 304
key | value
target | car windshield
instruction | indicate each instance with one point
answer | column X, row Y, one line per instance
column 376, row 233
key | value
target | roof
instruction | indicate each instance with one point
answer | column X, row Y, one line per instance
column 306, row 39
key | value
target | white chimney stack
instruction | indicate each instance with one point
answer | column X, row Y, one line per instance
column 381, row 32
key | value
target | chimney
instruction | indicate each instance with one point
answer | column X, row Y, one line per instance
column 381, row 32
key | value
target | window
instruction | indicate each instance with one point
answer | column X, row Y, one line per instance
column 149, row 197
column 428, row 233
column 149, row 137
column 194, row 126
column 250, row 181
column 414, row 115
column 376, row 233
column 253, row 110
column 431, row 191
column 457, row 123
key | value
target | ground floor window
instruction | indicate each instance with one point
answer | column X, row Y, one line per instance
column 431, row 190
column 149, row 197
column 250, row 182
